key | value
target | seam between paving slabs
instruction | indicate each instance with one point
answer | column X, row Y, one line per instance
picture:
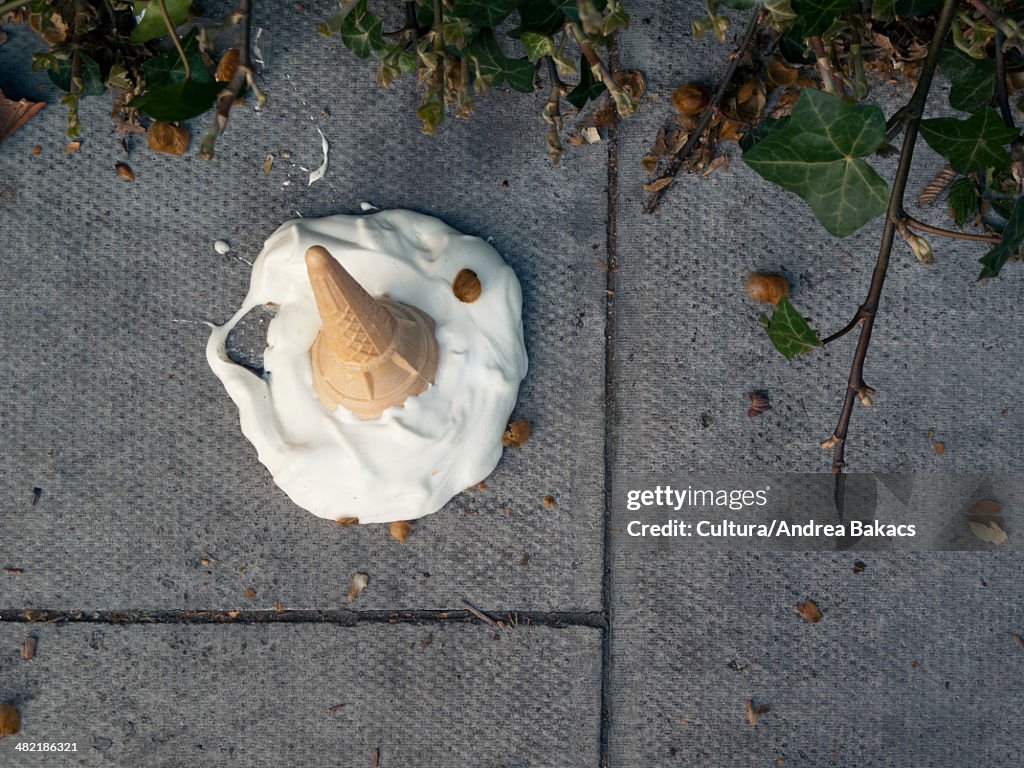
column 611, row 260
column 343, row 617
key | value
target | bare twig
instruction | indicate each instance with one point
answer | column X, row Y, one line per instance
column 677, row 160
column 828, row 76
column 855, row 386
column 244, row 76
column 913, row 223
column 625, row 104
column 13, row 5
column 479, row 614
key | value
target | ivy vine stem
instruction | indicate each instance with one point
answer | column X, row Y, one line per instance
column 624, row 103
column 1002, row 97
column 676, row 163
column 174, row 38
column 913, row 223
column 855, row 386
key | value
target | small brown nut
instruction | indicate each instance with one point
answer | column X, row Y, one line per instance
column 227, row 66
column 770, row 288
column 516, row 433
column 168, row 138
column 689, row 99
column 466, row 286
column 400, row 529
column 125, row 171
column 10, row 720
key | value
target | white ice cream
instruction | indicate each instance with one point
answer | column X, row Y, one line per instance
column 415, row 457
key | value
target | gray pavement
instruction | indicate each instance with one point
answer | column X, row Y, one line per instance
column 152, row 503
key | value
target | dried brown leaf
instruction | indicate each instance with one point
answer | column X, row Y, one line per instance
column 168, row 138
column 346, row 521
column 549, row 502
column 759, row 403
column 357, row 584
column 984, row 510
column 658, row 184
column 10, row 720
column 753, row 713
column 125, row 171
column 649, row 162
column 781, row 75
column 809, row 610
column 632, row 82
column 250, row 593
column 517, row 433
column 940, row 448
column 14, row 114
column 730, row 130
column 28, row 648
column 72, row 146
column 990, row 532
column 227, row 66
column 400, row 529
column 268, row 163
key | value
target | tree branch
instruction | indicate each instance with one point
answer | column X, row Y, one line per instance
column 1002, row 97
column 855, row 386
column 737, row 56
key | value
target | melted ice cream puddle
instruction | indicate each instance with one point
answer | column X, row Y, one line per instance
column 415, row 457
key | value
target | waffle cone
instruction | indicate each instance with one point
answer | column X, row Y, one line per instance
column 371, row 354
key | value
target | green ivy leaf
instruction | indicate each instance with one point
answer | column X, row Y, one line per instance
column 89, row 71
column 149, row 23
column 963, row 200
column 588, row 88
column 815, row 16
column 882, row 10
column 764, row 128
column 973, row 144
column 179, row 101
column 1013, row 235
column 817, row 156
column 484, row 13
column 973, row 80
column 908, row 8
column 536, row 45
column 361, row 31
column 166, row 68
column 495, row 67
column 545, row 17
column 788, row 331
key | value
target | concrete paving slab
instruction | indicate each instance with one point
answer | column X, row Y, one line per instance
column 316, row 695
column 688, row 348
column 912, row 663
column 109, row 407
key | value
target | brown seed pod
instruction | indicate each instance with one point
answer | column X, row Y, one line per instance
column 400, row 529
column 689, row 99
column 125, row 171
column 466, row 286
column 10, row 720
column 769, row 288
column 227, row 66
column 168, row 138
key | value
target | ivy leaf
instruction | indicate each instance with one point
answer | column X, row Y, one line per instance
column 815, row 16
column 588, row 88
column 484, row 13
column 817, row 156
column 361, row 31
column 973, row 80
column 92, row 80
column 166, row 68
column 545, row 17
column 762, row 129
column 905, row 9
column 963, row 200
column 788, row 331
column 536, row 45
column 149, row 23
column 974, row 144
column 1013, row 235
column 179, row 101
column 740, row 5
column 882, row 10
column 494, row 66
